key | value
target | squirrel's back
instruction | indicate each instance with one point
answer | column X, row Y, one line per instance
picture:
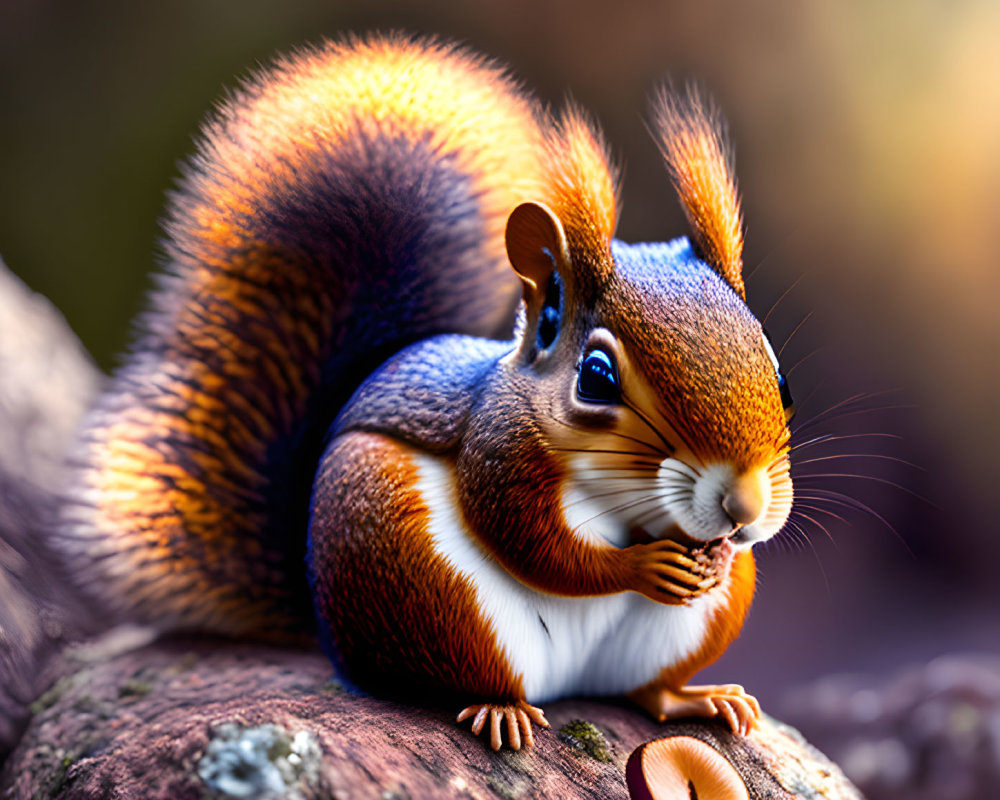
column 346, row 202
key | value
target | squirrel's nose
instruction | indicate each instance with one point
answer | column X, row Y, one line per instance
column 744, row 500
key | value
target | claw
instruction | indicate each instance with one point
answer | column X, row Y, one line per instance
column 682, row 576
column 513, row 729
column 684, row 561
column 525, row 723
column 518, row 717
column 723, row 708
column 536, row 714
column 480, row 720
column 495, row 739
column 666, row 572
column 739, row 710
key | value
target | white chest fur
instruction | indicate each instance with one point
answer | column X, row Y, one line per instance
column 562, row 645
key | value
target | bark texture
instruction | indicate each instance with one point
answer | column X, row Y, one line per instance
column 189, row 718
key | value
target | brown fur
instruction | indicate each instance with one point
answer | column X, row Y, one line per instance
column 390, row 602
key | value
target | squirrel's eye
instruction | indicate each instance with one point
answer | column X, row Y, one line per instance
column 549, row 318
column 786, row 394
column 787, row 401
column 598, row 381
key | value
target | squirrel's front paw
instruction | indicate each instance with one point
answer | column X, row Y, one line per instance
column 518, row 716
column 669, row 573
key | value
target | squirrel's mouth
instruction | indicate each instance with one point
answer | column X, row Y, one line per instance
column 639, row 535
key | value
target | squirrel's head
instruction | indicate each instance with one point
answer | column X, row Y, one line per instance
column 658, row 388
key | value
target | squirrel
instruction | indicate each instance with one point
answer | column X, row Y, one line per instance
column 399, row 387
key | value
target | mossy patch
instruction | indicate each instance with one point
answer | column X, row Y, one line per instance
column 135, row 688
column 514, row 790
column 586, row 737
column 52, row 695
column 57, row 779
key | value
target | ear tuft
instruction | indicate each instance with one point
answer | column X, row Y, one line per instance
column 585, row 177
column 691, row 135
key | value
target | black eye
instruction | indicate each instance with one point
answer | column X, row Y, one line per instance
column 787, row 401
column 786, row 394
column 598, row 381
column 549, row 318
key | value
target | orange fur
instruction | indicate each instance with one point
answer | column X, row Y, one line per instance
column 586, row 185
column 390, row 600
column 722, row 629
column 724, row 402
column 416, row 89
column 692, row 140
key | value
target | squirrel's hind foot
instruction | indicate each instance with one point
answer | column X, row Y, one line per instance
column 518, row 717
column 739, row 710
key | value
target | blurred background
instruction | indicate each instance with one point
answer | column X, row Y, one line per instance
column 868, row 150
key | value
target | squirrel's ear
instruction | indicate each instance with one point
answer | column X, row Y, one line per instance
column 536, row 245
column 691, row 135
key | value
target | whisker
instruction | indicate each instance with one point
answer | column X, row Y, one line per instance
column 805, row 319
column 768, row 256
column 796, row 534
column 847, row 402
column 781, row 463
column 640, row 519
column 638, row 471
column 818, row 524
column 784, row 539
column 846, row 501
column 777, row 302
column 680, row 468
column 835, row 437
column 822, row 569
column 601, row 475
column 655, row 448
column 615, row 493
column 609, row 485
column 585, row 450
column 635, row 410
column 624, row 507
column 844, row 413
column 680, row 434
column 803, row 360
column 880, row 456
column 591, row 519
column 842, row 503
column 876, row 479
column 821, row 510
